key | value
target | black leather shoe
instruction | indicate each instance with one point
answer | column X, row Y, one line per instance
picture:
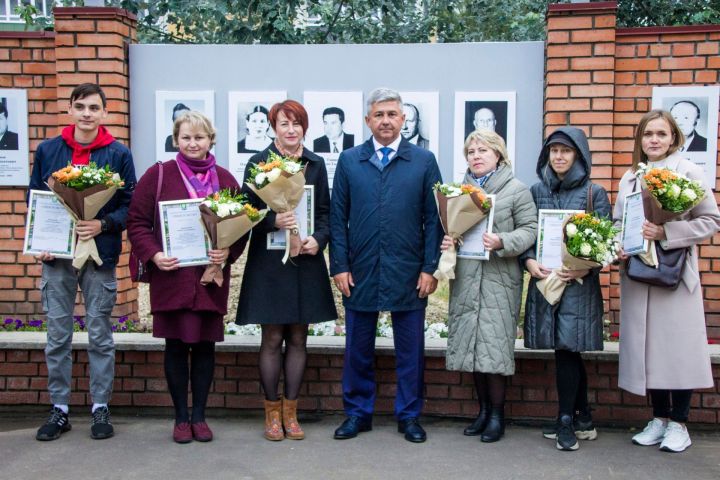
column 496, row 426
column 412, row 430
column 351, row 427
column 478, row 425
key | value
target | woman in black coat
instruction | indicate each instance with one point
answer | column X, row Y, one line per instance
column 575, row 323
column 285, row 298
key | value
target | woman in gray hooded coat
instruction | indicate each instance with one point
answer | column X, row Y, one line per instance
column 575, row 323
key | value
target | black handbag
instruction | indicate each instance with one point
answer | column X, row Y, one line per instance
column 139, row 271
column 668, row 273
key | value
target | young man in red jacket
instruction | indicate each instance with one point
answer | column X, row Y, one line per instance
column 83, row 141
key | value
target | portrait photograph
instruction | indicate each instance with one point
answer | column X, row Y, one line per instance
column 695, row 110
column 488, row 110
column 169, row 106
column 336, row 122
column 13, row 137
column 421, row 126
column 249, row 130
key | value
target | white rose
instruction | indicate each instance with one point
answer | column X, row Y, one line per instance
column 585, row 249
column 260, row 178
column 273, row 174
column 688, row 194
column 571, row 230
column 674, row 191
column 292, row 167
column 223, row 210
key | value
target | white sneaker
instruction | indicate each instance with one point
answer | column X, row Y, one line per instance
column 677, row 438
column 653, row 433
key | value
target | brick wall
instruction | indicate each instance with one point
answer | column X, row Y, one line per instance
column 140, row 382
column 88, row 45
column 600, row 78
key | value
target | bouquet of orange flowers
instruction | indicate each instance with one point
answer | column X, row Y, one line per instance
column 280, row 183
column 460, row 207
column 84, row 190
column 226, row 216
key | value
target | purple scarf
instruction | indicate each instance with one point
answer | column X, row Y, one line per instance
column 200, row 176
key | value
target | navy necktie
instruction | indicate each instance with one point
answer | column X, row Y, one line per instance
column 386, row 155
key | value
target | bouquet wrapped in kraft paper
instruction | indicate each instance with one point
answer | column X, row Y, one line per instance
column 460, row 208
column 84, row 191
column 280, row 183
column 587, row 242
column 666, row 195
column 226, row 216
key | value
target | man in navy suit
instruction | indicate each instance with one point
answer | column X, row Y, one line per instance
column 385, row 245
column 335, row 139
column 687, row 114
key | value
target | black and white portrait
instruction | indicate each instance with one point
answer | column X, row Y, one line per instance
column 493, row 111
column 8, row 138
column 249, row 129
column 169, row 106
column 335, row 124
column 421, row 126
column 695, row 110
column 14, row 137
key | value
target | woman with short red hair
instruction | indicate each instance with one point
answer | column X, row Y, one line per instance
column 285, row 298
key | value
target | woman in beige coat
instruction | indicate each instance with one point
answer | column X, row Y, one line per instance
column 485, row 295
column 663, row 341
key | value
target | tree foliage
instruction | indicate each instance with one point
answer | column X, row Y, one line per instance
column 378, row 21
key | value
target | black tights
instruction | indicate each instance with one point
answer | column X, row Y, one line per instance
column 490, row 388
column 677, row 410
column 200, row 374
column 272, row 361
column 571, row 381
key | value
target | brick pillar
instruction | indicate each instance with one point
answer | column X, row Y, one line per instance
column 580, row 81
column 91, row 45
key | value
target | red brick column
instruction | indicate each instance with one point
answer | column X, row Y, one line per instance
column 89, row 45
column 27, row 61
column 664, row 56
column 580, row 81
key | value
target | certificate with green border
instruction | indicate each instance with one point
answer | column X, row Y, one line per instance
column 550, row 235
column 183, row 234
column 49, row 227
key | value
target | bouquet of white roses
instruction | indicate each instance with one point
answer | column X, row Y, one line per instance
column 588, row 242
column 226, row 216
column 280, row 183
column 460, row 208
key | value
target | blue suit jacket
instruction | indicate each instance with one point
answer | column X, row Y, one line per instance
column 384, row 226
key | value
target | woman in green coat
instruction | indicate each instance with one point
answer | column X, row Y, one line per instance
column 485, row 295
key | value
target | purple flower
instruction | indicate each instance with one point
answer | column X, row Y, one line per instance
column 122, row 319
column 35, row 323
column 9, row 320
column 114, row 328
column 18, row 323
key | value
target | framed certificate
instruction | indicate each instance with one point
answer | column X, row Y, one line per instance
column 183, row 235
column 550, row 236
column 305, row 214
column 472, row 241
column 49, row 227
column 632, row 239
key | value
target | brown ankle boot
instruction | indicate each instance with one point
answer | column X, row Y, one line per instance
column 273, row 424
column 293, row 431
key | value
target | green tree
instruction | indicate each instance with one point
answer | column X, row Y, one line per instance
column 377, row 21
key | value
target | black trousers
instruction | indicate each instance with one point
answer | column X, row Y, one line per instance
column 672, row 404
column 571, row 381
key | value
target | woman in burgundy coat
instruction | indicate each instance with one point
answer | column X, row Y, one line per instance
column 187, row 314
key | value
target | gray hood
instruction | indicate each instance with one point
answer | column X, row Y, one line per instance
column 579, row 172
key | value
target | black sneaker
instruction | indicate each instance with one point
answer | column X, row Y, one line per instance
column 582, row 423
column 566, row 439
column 584, row 428
column 56, row 424
column 101, row 427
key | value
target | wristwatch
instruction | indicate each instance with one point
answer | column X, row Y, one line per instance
column 104, row 225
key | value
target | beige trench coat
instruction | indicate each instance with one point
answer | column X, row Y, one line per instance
column 663, row 340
